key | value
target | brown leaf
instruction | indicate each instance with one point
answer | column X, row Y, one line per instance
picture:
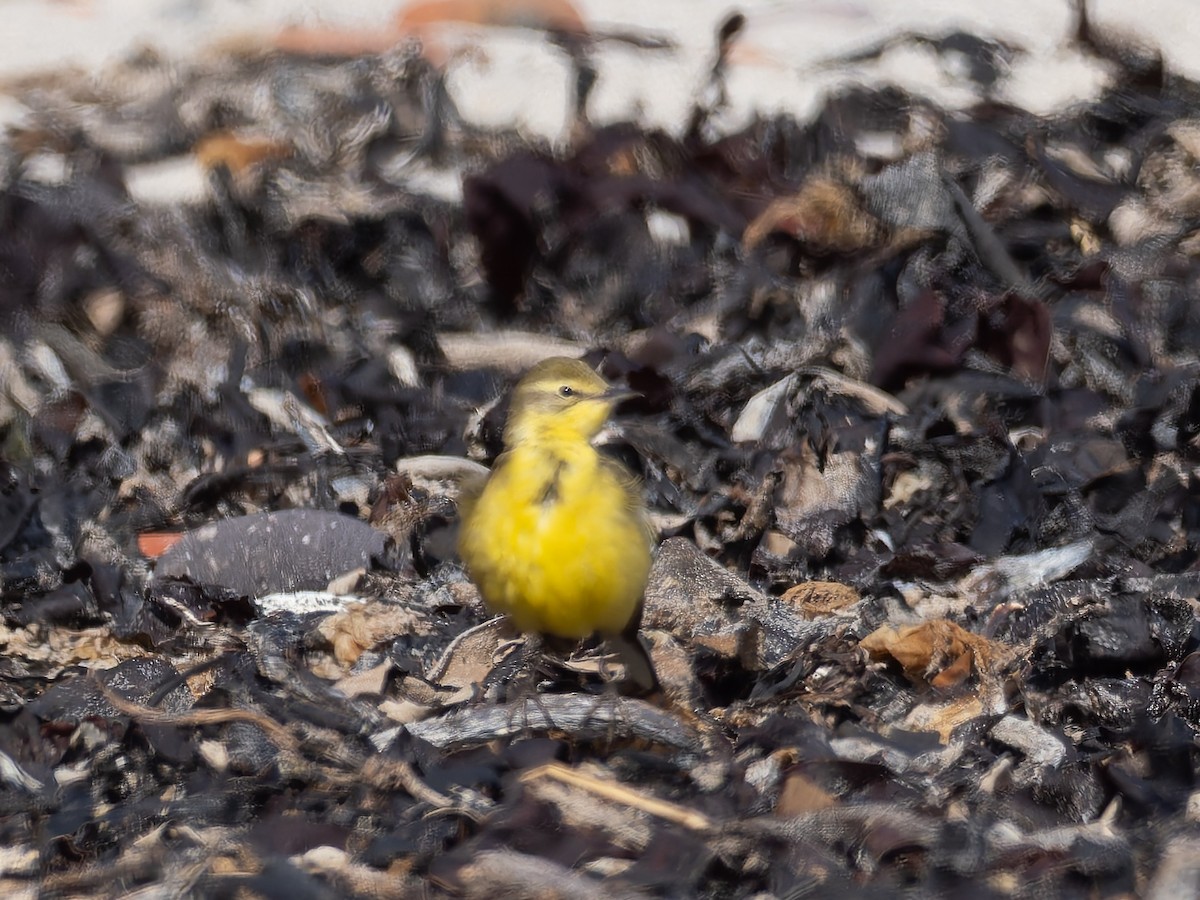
column 801, row 795
column 820, row 598
column 468, row 661
column 944, row 717
column 954, row 674
column 368, row 683
column 238, row 153
column 825, row 215
column 938, row 652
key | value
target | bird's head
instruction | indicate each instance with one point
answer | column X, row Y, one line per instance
column 560, row 399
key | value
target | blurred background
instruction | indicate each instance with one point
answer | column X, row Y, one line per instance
column 789, row 56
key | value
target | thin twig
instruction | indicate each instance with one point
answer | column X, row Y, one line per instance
column 278, row 734
column 618, row 793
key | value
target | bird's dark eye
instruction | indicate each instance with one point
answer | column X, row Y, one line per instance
column 566, row 391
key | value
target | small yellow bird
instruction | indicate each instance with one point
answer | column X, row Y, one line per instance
column 558, row 538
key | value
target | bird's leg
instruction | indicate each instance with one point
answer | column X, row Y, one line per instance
column 519, row 663
column 639, row 677
column 524, row 662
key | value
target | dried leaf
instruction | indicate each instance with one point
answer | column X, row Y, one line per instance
column 238, row 153
column 365, row 625
column 821, row 598
column 929, row 651
column 825, row 216
column 801, row 795
column 369, row 683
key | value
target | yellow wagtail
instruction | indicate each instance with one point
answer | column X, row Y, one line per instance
column 558, row 537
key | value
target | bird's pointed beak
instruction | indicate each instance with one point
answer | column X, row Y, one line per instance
column 617, row 394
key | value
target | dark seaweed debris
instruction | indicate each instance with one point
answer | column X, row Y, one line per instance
column 918, row 425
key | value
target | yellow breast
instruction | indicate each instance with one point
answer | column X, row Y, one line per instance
column 558, row 541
